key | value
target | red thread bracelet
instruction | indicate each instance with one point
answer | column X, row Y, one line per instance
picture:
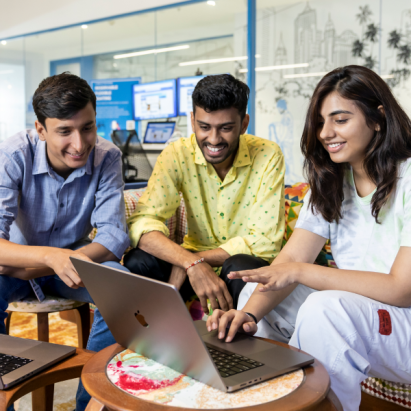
column 201, row 260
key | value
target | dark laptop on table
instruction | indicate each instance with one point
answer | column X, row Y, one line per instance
column 21, row 358
column 150, row 317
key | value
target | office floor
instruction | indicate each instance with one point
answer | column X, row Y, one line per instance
column 61, row 332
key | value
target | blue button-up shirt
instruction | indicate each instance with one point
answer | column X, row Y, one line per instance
column 40, row 208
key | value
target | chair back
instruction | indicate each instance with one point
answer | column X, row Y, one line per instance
column 136, row 166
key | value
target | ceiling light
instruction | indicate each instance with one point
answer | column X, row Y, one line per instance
column 211, row 61
column 384, row 76
column 84, row 26
column 211, row 3
column 282, row 67
column 153, row 51
column 323, row 73
column 3, row 42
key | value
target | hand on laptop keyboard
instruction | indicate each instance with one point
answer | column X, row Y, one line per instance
column 235, row 319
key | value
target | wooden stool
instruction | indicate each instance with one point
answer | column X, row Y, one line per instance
column 52, row 305
column 42, row 385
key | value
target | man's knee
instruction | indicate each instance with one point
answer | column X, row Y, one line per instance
column 240, row 262
column 140, row 262
column 137, row 260
column 12, row 289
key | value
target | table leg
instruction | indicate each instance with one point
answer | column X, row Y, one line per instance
column 42, row 398
column 7, row 321
column 82, row 315
column 43, row 327
column 330, row 403
column 94, row 405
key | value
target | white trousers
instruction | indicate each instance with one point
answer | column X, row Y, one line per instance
column 354, row 337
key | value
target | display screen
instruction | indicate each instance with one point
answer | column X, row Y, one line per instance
column 159, row 132
column 185, row 89
column 155, row 100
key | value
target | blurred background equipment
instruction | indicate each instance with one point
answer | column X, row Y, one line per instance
column 136, row 166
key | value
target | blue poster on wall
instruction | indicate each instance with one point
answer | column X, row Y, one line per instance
column 114, row 103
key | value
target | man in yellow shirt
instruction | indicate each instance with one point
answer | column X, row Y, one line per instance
column 233, row 187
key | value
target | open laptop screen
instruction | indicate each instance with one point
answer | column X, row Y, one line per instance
column 159, row 132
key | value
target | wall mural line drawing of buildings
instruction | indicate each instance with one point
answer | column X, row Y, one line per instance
column 310, row 42
column 324, row 36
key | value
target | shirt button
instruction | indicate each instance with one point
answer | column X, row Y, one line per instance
column 61, row 205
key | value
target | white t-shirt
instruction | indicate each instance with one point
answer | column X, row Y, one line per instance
column 357, row 241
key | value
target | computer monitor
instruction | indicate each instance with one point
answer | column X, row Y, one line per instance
column 185, row 88
column 159, row 132
column 155, row 100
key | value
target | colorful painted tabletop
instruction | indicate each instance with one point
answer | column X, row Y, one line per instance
column 149, row 380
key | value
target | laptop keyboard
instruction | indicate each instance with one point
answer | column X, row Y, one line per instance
column 231, row 364
column 9, row 363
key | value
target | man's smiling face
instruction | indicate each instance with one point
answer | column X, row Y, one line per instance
column 218, row 133
column 69, row 142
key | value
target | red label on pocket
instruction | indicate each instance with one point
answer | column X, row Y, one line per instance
column 385, row 322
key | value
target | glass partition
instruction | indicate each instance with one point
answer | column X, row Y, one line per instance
column 183, row 41
column 169, row 43
column 12, row 88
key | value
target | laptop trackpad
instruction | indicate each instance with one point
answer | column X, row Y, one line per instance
column 15, row 346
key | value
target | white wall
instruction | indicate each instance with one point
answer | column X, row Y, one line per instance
column 20, row 17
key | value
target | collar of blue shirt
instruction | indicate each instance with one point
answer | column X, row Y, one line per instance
column 41, row 164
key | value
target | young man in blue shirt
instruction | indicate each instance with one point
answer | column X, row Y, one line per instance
column 56, row 183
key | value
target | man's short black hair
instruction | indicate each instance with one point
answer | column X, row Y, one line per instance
column 220, row 92
column 62, row 96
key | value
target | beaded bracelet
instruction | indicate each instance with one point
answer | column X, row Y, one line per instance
column 201, row 260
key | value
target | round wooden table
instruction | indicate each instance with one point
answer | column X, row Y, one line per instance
column 312, row 394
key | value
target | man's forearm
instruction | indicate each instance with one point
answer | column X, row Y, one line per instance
column 29, row 273
column 22, row 256
column 215, row 258
column 98, row 253
column 158, row 245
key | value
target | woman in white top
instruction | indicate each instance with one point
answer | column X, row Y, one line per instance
column 355, row 320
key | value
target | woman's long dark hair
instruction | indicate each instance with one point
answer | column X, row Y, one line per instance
column 389, row 146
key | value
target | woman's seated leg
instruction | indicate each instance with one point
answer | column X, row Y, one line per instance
column 354, row 337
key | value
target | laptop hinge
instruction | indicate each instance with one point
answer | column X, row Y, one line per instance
column 1, row 384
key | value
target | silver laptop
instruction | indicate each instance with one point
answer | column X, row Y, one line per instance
column 150, row 317
column 21, row 358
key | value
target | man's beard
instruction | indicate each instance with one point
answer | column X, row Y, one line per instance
column 232, row 150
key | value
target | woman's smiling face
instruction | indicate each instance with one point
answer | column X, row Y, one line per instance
column 343, row 130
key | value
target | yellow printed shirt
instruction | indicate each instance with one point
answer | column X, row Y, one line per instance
column 244, row 214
